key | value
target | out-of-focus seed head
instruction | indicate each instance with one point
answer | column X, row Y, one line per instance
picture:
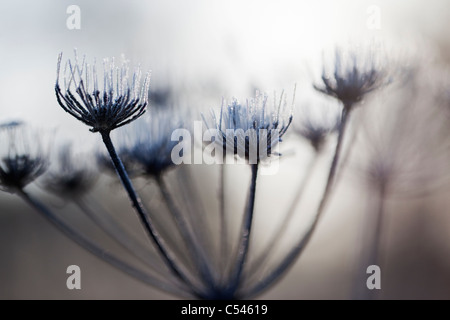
column 105, row 164
column 252, row 129
column 22, row 158
column 122, row 100
column 72, row 177
column 147, row 146
column 316, row 124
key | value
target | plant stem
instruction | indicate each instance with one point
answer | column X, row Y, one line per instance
column 186, row 231
column 142, row 213
column 375, row 253
column 373, row 242
column 112, row 228
column 348, row 153
column 94, row 249
column 276, row 237
column 301, row 245
column 246, row 230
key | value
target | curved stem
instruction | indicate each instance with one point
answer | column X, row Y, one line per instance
column 117, row 232
column 300, row 246
column 143, row 215
column 193, row 209
column 96, row 250
column 360, row 289
column 245, row 233
column 194, row 205
column 276, row 238
column 186, row 231
column 223, row 228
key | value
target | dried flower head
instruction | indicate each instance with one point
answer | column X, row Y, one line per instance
column 317, row 125
column 353, row 75
column 122, row 100
column 11, row 124
column 23, row 161
column 72, row 177
column 252, row 130
column 147, row 146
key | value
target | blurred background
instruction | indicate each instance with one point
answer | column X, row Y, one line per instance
column 200, row 51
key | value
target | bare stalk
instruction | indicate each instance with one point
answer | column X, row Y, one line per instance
column 117, row 232
column 245, row 233
column 144, row 216
column 274, row 241
column 296, row 251
column 96, row 250
column 186, row 232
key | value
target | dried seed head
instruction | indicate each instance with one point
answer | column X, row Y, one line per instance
column 11, row 124
column 317, row 125
column 253, row 129
column 400, row 145
column 122, row 100
column 72, row 177
column 148, row 146
column 105, row 164
column 24, row 160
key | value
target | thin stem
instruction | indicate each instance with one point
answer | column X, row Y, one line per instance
column 301, row 245
column 347, row 154
column 117, row 232
column 96, row 250
column 190, row 193
column 195, row 212
column 276, row 238
column 246, row 230
column 143, row 215
column 185, row 231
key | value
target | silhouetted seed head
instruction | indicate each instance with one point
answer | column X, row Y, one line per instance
column 23, row 161
column 353, row 75
column 253, row 129
column 72, row 177
column 122, row 100
column 316, row 129
column 147, row 145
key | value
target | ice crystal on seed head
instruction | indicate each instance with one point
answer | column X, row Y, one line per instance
column 252, row 130
column 123, row 98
